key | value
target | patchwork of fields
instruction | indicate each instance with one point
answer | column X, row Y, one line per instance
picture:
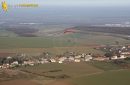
column 58, row 44
column 71, row 74
column 91, row 73
column 76, row 39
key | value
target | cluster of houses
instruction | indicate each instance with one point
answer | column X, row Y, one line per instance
column 42, row 60
column 68, row 57
column 116, row 51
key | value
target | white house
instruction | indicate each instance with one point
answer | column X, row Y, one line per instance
column 9, row 57
column 125, row 53
column 114, row 57
column 83, row 55
column 53, row 60
column 122, row 56
column 78, row 56
column 100, row 59
column 60, row 61
column 77, row 60
column 15, row 63
column 88, row 58
column 44, row 61
column 71, row 58
column 5, row 66
column 31, row 63
column 62, row 58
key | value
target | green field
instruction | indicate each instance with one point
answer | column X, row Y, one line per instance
column 81, row 73
column 74, row 73
column 106, row 66
column 56, row 45
column 112, row 75
column 106, row 78
column 72, row 69
column 65, row 40
column 32, row 42
column 4, row 33
column 98, row 38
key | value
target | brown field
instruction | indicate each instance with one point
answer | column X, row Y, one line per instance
column 60, row 82
column 54, row 50
column 18, row 82
column 31, row 82
column 5, row 54
column 80, row 74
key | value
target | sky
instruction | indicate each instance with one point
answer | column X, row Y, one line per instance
column 99, row 11
column 76, row 2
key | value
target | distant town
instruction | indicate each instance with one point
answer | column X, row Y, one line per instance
column 113, row 52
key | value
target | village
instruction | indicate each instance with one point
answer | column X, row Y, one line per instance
column 111, row 53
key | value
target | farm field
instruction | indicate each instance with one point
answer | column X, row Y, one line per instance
column 120, row 77
column 106, row 66
column 82, row 71
column 54, row 69
column 31, row 42
column 91, row 73
column 58, row 44
column 47, row 73
column 76, row 39
column 91, row 38
column 4, row 33
column 54, row 50
column 71, row 74
column 19, row 82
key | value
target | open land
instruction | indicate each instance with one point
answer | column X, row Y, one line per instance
column 56, row 41
column 71, row 74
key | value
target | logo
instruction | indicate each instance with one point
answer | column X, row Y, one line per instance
column 4, row 6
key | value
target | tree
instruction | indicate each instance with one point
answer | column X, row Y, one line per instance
column 1, row 60
column 109, row 55
column 117, row 42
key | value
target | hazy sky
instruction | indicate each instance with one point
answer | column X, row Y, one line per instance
column 88, row 2
column 77, row 2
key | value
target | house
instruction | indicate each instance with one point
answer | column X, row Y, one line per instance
column 114, row 57
column 78, row 56
column 60, row 61
column 53, row 60
column 125, row 53
column 15, row 63
column 31, row 63
column 77, row 60
column 44, row 61
column 9, row 57
column 88, row 58
column 122, row 57
column 101, row 59
column 6, row 66
column 83, row 55
column 62, row 58
column 71, row 58
column 123, row 48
